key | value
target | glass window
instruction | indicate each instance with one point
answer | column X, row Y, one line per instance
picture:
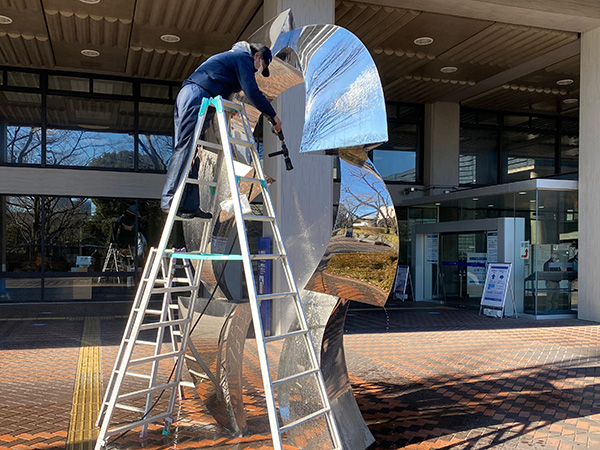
column 569, row 146
column 89, row 132
column 478, row 161
column 112, row 87
column 23, row 79
column 23, row 145
column 155, row 151
column 396, row 160
column 21, row 115
column 65, row 83
column 528, row 155
column 154, row 90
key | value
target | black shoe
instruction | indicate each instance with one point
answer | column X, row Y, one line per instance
column 198, row 214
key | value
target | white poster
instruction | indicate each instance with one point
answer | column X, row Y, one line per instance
column 431, row 252
column 496, row 285
column 475, row 273
column 492, row 246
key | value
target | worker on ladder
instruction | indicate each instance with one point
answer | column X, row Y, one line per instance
column 222, row 74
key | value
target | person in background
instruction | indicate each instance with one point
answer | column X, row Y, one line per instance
column 552, row 286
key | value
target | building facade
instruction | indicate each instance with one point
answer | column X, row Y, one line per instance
column 489, row 104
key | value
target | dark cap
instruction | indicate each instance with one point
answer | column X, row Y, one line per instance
column 265, row 54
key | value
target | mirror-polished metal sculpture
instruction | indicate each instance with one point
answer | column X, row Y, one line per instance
column 344, row 116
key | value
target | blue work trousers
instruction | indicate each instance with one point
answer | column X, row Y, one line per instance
column 187, row 107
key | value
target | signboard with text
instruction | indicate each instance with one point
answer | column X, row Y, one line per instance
column 432, row 249
column 496, row 286
column 401, row 282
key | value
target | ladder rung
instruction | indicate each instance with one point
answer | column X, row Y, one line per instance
column 189, row 180
column 130, row 408
column 250, row 180
column 212, row 145
column 139, row 423
column 173, row 289
column 138, row 375
column 294, row 377
column 276, row 295
column 174, row 280
column 173, row 306
column 176, row 333
column 241, row 142
column 153, row 358
column 284, row 336
column 207, row 256
column 266, row 256
column 142, row 392
column 302, row 420
column 187, row 384
column 258, row 218
column 141, row 342
column 156, row 312
column 231, row 105
column 199, row 375
column 166, row 323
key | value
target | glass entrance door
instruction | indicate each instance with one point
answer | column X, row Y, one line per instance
column 462, row 266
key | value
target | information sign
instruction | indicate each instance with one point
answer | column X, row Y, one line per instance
column 492, row 246
column 495, row 290
column 401, row 282
column 525, row 250
column 431, row 251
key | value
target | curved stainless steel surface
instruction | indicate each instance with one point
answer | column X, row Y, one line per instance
column 345, row 115
column 360, row 261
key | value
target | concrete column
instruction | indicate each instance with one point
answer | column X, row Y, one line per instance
column 303, row 197
column 589, row 184
column 442, row 130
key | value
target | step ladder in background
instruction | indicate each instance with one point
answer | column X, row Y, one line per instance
column 158, row 278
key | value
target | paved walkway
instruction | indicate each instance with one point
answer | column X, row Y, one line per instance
column 425, row 377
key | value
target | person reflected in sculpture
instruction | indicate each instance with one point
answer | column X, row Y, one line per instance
column 222, row 74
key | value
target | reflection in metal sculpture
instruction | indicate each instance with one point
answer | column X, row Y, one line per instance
column 360, row 261
column 345, row 116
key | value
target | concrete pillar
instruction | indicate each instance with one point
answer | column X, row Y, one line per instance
column 589, row 185
column 303, row 197
column 441, row 146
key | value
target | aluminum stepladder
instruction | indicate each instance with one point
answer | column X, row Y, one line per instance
column 162, row 262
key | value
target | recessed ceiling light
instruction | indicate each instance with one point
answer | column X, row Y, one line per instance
column 5, row 20
column 532, row 201
column 91, row 2
column 423, row 41
column 490, row 206
column 541, row 207
column 170, row 38
column 565, row 82
column 475, row 198
column 90, row 53
column 570, row 101
column 522, row 193
column 437, row 204
column 448, row 69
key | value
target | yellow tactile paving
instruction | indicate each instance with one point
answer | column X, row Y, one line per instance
column 87, row 395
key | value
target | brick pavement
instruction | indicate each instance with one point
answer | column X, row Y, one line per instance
column 424, row 377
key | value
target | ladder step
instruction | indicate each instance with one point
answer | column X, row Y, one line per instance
column 139, row 423
column 174, row 280
column 138, row 375
column 304, row 419
column 207, row 256
column 251, row 180
column 155, row 312
column 276, row 295
column 143, row 392
column 147, row 359
column 140, row 342
column 231, row 105
column 189, row 180
column 212, row 145
column 261, row 256
column 284, row 336
column 294, row 377
column 166, row 323
column 130, row 408
column 173, row 289
column 241, row 142
column 188, row 384
column 258, row 218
